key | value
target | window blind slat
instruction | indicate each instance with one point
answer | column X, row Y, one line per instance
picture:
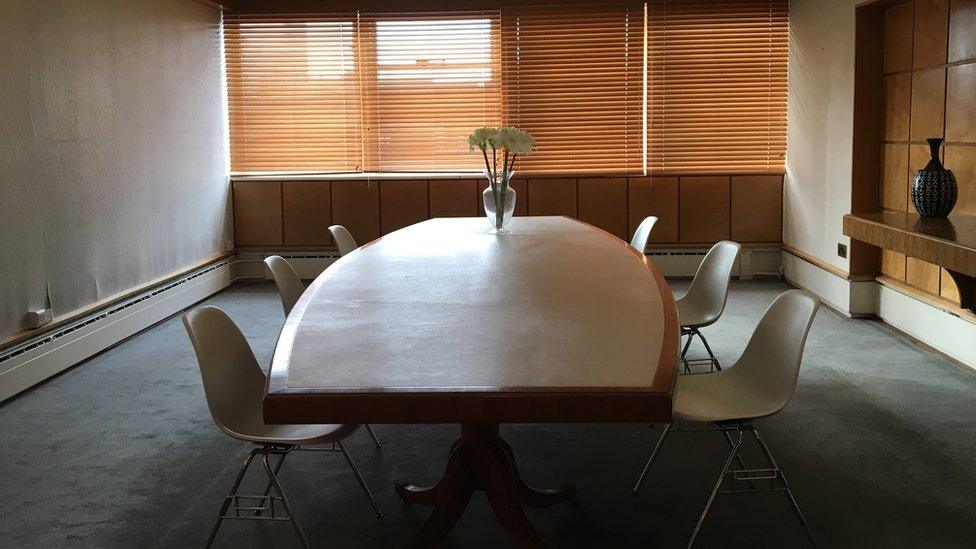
column 717, row 86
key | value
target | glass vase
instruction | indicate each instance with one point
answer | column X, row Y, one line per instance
column 499, row 200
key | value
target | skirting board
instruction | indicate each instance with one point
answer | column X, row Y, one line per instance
column 101, row 332
column 935, row 327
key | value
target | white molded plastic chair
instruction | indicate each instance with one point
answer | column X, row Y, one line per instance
column 234, row 385
column 343, row 239
column 639, row 241
column 291, row 288
column 760, row 384
column 705, row 300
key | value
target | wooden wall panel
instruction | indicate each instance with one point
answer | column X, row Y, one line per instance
column 356, row 206
column 657, row 196
column 893, row 264
column 257, row 213
column 757, row 208
column 948, row 288
column 898, row 97
column 924, row 276
column 962, row 38
column 402, row 203
column 306, row 210
column 603, row 202
column 552, row 197
column 961, row 159
column 928, row 104
column 521, row 188
column 961, row 103
column 898, row 37
column 453, row 198
column 894, row 191
column 704, row 209
column 931, row 33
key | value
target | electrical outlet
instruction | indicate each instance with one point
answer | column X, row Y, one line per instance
column 842, row 250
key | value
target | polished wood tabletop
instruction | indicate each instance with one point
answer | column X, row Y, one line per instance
column 443, row 322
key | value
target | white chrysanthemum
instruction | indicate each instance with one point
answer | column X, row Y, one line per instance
column 483, row 138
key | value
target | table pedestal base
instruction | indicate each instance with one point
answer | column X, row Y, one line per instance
column 481, row 460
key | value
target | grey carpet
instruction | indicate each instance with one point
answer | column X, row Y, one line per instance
column 879, row 444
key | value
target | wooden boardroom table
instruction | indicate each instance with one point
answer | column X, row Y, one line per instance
column 441, row 322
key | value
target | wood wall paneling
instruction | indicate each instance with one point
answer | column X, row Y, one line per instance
column 961, row 102
column 931, row 33
column 257, row 213
column 704, row 209
column 962, row 38
column 657, row 196
column 898, row 37
column 894, row 191
column 356, row 206
column 928, row 104
column 948, row 288
column 924, row 276
column 552, row 197
column 893, row 264
column 961, row 159
column 757, row 208
column 453, row 198
column 306, row 210
column 521, row 188
column 603, row 203
column 403, row 202
column 898, row 96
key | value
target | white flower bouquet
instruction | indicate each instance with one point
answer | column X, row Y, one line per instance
column 506, row 144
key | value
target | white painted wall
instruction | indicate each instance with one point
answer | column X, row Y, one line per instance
column 112, row 149
column 820, row 127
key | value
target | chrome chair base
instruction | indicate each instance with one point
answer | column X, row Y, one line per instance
column 237, row 506
column 731, row 478
column 711, row 362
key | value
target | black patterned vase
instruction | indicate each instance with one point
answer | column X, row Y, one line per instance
column 934, row 190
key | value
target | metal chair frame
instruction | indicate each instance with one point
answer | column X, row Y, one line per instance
column 711, row 361
column 237, row 506
column 729, row 476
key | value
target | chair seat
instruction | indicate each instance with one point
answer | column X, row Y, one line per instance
column 293, row 434
column 693, row 316
column 721, row 396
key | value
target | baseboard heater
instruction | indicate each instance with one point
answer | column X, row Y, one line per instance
column 48, row 352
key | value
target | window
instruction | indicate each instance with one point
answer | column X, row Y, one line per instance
column 718, row 85
column 610, row 87
column 573, row 78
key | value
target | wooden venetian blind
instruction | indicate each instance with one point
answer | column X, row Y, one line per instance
column 293, row 92
column 717, row 85
column 429, row 79
column 573, row 77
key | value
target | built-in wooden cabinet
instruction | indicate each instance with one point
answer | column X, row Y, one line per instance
column 915, row 79
column 692, row 211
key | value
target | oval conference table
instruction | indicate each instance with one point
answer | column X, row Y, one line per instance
column 441, row 322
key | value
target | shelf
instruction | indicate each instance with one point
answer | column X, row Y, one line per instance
column 947, row 242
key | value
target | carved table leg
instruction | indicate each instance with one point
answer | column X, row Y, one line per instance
column 480, row 460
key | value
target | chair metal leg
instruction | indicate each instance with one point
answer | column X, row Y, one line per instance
column 284, row 500
column 372, row 435
column 789, row 492
column 718, row 484
column 711, row 355
column 738, row 457
column 230, row 496
column 267, row 489
column 359, row 478
column 650, row 460
column 684, row 351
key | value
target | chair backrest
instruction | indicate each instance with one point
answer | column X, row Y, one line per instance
column 343, row 239
column 232, row 379
column 710, row 289
column 290, row 286
column 771, row 360
column 639, row 241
